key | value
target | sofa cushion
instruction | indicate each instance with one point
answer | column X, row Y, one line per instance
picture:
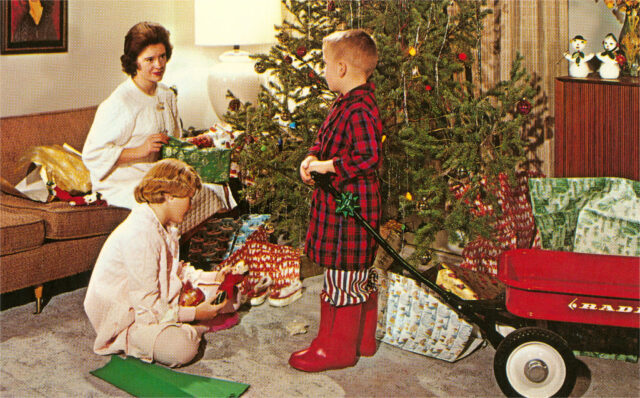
column 51, row 261
column 63, row 221
column 19, row 231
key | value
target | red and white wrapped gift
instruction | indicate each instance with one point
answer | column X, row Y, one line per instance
column 515, row 228
column 278, row 263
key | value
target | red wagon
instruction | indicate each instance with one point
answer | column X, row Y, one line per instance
column 545, row 285
column 543, row 288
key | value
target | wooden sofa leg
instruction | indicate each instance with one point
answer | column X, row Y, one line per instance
column 38, row 292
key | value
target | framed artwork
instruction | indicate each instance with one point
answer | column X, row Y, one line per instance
column 33, row 26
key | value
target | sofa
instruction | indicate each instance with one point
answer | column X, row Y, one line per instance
column 42, row 242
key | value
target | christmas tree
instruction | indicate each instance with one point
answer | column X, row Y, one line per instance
column 445, row 139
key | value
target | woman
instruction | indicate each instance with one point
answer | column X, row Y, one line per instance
column 131, row 125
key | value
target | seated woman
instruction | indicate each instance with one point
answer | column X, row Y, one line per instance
column 135, row 300
column 133, row 123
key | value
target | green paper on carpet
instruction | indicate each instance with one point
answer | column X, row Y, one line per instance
column 150, row 380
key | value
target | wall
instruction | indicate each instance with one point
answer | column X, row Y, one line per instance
column 593, row 21
column 91, row 69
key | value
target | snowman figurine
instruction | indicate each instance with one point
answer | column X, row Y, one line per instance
column 578, row 66
column 609, row 69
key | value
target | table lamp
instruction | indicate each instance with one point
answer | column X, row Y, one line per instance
column 232, row 24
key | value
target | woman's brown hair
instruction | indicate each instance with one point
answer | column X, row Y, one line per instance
column 137, row 39
column 168, row 176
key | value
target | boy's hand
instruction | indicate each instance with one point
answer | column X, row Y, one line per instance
column 305, row 173
column 321, row 166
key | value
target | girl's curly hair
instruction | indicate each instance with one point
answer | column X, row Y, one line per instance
column 168, row 176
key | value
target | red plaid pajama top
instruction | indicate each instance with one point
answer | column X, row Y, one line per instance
column 351, row 136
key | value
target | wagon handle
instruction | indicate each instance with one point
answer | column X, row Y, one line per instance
column 347, row 207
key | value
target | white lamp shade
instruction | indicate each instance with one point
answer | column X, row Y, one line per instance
column 236, row 22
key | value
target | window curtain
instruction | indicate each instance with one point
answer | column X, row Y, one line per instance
column 539, row 30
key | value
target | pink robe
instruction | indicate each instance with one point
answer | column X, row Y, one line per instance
column 135, row 286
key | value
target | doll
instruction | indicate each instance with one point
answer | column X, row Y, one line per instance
column 609, row 69
column 578, row 61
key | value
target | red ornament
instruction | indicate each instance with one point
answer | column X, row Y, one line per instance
column 428, row 87
column 190, row 295
column 288, row 59
column 524, row 107
column 620, row 59
column 234, row 104
column 312, row 75
column 331, row 6
column 462, row 57
column 301, row 51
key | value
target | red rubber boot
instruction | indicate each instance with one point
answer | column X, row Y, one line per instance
column 339, row 349
column 321, row 340
column 368, row 326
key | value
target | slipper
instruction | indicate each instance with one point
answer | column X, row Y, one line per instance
column 287, row 295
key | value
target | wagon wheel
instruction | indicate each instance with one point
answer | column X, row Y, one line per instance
column 534, row 362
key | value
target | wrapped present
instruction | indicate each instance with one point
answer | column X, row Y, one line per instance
column 610, row 223
column 391, row 231
column 212, row 164
column 54, row 165
column 416, row 320
column 217, row 136
column 280, row 263
column 467, row 284
column 220, row 135
column 598, row 215
column 209, row 244
column 250, row 225
column 514, row 228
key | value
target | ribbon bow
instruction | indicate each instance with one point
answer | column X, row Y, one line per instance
column 609, row 53
column 347, row 204
column 578, row 55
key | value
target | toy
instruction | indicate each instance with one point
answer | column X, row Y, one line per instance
column 234, row 277
column 192, row 295
column 92, row 198
column 609, row 69
column 578, row 66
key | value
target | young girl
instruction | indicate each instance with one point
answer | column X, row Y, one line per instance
column 133, row 296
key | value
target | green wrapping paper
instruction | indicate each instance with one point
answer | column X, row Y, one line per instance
column 599, row 215
column 211, row 163
column 149, row 380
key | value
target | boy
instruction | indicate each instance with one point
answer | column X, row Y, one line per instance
column 349, row 146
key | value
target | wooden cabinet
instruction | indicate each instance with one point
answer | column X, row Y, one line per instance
column 597, row 127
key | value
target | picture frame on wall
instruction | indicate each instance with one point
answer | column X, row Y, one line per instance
column 33, row 27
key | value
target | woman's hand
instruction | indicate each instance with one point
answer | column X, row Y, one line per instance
column 153, row 144
column 305, row 173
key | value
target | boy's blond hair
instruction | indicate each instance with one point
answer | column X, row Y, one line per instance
column 168, row 176
column 355, row 46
